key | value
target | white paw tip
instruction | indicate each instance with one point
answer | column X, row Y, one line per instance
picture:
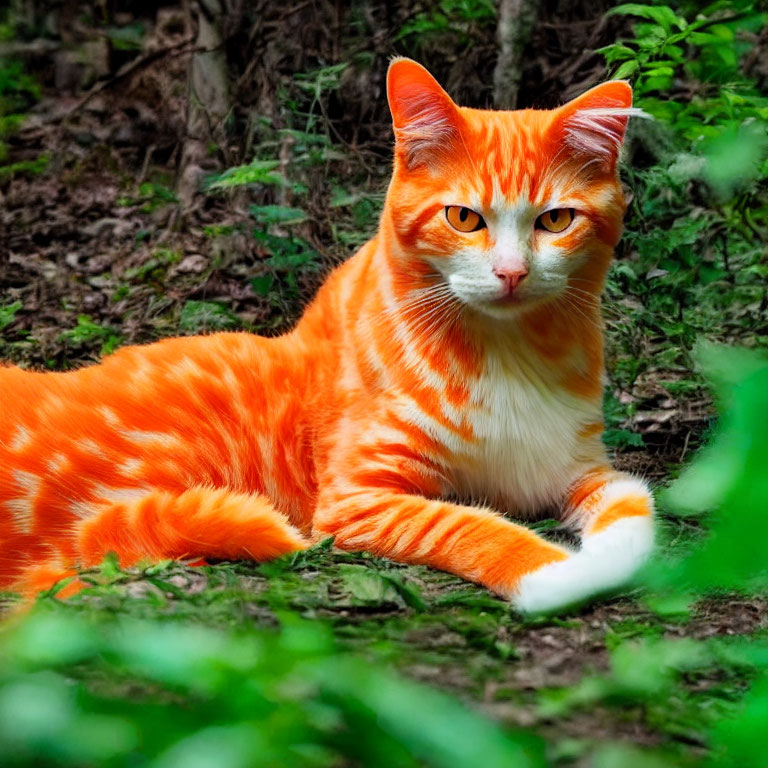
column 607, row 560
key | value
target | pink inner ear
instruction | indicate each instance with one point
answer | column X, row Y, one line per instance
column 594, row 123
column 423, row 115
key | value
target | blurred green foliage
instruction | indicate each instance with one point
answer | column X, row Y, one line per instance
column 109, row 692
column 728, row 482
column 695, row 267
column 19, row 91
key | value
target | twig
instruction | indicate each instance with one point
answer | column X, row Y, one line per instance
column 145, row 165
column 685, row 446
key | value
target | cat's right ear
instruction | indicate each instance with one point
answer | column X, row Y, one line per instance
column 425, row 119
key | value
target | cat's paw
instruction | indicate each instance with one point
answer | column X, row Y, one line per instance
column 607, row 560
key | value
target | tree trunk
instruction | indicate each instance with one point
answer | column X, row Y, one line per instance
column 208, row 101
column 516, row 20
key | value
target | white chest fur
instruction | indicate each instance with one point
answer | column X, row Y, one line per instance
column 527, row 448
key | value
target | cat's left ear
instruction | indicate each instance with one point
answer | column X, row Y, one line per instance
column 594, row 123
column 425, row 119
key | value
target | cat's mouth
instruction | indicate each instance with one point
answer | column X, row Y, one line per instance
column 512, row 302
column 510, row 299
column 513, row 299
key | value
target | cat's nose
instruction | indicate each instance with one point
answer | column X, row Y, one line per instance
column 511, row 278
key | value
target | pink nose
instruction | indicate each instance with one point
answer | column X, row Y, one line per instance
column 510, row 278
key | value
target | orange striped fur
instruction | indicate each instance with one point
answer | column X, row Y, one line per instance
column 441, row 381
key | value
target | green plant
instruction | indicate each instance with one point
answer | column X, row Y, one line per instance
column 18, row 92
column 256, row 172
column 126, row 38
column 700, row 207
column 316, row 84
column 151, row 196
column 615, row 435
column 726, row 113
column 202, row 316
column 451, row 18
column 155, row 267
column 112, row 691
column 88, row 332
column 285, row 254
column 29, row 167
column 8, row 313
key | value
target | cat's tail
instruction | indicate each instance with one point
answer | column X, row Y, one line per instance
column 198, row 523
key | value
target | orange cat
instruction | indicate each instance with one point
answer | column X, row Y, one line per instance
column 449, row 373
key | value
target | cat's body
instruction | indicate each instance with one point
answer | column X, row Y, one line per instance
column 408, row 382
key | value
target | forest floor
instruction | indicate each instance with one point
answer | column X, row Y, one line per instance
column 95, row 256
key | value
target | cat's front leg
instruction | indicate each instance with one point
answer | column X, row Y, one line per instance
column 476, row 544
column 613, row 513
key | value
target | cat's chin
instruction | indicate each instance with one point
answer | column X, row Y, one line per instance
column 506, row 307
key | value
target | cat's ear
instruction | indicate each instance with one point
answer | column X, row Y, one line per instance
column 424, row 118
column 594, row 123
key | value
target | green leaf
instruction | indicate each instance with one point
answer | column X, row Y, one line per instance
column 200, row 316
column 657, row 71
column 408, row 591
column 436, row 730
column 664, row 16
column 733, row 157
column 739, row 740
column 366, row 586
column 711, row 274
column 30, row 167
column 126, row 38
column 256, row 172
column 623, row 438
column 728, row 480
column 263, row 284
column 626, row 69
column 626, row 756
column 87, row 332
column 278, row 214
column 8, row 313
column 616, row 52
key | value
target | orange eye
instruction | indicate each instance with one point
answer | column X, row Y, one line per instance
column 463, row 219
column 556, row 220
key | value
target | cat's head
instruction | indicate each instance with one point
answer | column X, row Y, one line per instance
column 511, row 208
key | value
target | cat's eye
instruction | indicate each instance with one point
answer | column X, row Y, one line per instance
column 556, row 220
column 463, row 219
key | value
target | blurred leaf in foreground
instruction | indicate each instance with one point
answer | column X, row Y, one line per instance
column 112, row 691
column 733, row 158
column 729, row 480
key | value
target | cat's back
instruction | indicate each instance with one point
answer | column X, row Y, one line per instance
column 168, row 369
column 184, row 398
